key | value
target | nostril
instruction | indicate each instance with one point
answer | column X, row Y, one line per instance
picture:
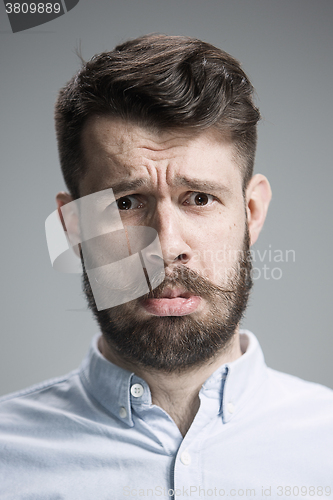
column 182, row 257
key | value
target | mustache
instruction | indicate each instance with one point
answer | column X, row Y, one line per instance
column 189, row 281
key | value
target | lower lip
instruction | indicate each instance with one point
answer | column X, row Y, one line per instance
column 178, row 306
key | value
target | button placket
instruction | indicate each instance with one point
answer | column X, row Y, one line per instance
column 185, row 458
column 187, row 470
column 230, row 407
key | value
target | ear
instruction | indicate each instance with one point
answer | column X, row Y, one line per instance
column 71, row 226
column 62, row 199
column 258, row 195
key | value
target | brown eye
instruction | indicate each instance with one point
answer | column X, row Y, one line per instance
column 124, row 203
column 129, row 203
column 201, row 199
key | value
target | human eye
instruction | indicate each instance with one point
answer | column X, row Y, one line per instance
column 199, row 199
column 128, row 203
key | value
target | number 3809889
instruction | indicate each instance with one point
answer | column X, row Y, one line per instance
column 33, row 8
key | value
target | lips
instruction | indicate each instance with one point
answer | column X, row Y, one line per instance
column 172, row 302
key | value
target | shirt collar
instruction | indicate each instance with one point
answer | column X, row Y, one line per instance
column 243, row 376
column 232, row 383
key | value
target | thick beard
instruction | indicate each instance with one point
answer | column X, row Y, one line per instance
column 176, row 343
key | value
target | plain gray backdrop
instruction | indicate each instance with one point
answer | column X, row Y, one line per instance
column 285, row 46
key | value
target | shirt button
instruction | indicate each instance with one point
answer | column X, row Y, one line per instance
column 122, row 412
column 185, row 458
column 230, row 408
column 136, row 390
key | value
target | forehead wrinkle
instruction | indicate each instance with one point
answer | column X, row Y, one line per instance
column 194, row 184
column 122, row 153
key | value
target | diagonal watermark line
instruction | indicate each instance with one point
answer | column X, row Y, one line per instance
column 63, row 5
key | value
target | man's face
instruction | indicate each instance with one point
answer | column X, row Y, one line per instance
column 189, row 189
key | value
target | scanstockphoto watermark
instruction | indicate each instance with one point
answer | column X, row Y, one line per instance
column 190, row 491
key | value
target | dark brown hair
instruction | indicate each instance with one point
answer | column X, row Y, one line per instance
column 159, row 81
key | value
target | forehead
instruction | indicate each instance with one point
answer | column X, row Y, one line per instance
column 114, row 150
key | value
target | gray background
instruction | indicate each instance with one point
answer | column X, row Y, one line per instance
column 286, row 48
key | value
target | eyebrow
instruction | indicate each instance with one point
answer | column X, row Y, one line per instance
column 125, row 186
column 194, row 184
column 201, row 184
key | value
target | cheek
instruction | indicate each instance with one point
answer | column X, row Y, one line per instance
column 218, row 249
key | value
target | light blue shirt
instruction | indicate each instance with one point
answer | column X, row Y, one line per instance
column 96, row 435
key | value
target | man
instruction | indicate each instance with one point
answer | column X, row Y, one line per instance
column 173, row 400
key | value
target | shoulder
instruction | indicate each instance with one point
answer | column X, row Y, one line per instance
column 279, row 388
column 292, row 385
column 305, row 401
column 38, row 403
column 40, row 390
column 35, row 389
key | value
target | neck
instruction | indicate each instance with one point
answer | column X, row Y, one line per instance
column 177, row 393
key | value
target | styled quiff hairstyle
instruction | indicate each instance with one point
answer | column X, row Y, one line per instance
column 161, row 82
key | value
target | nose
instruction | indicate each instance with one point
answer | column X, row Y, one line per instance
column 172, row 233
